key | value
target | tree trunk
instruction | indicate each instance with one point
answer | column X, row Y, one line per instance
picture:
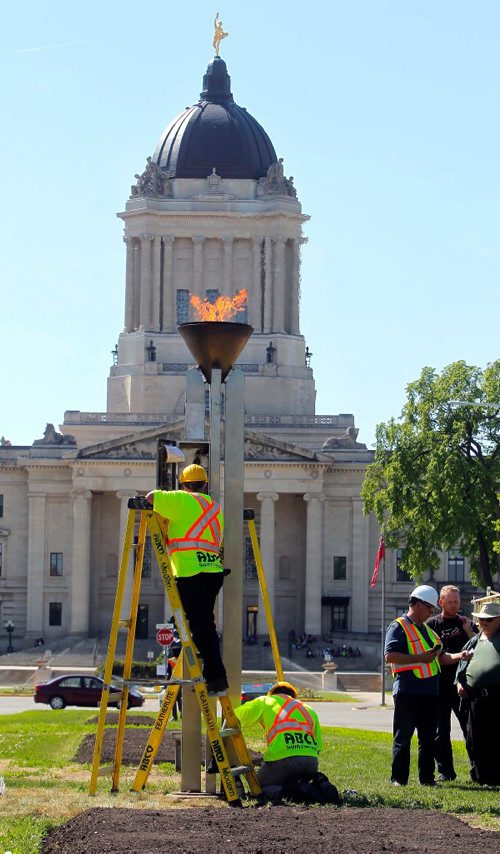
column 484, row 559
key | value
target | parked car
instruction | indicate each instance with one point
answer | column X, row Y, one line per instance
column 76, row 690
column 252, row 690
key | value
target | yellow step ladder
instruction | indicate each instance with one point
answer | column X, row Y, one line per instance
column 224, row 740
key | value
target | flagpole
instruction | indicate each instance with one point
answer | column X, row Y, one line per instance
column 382, row 632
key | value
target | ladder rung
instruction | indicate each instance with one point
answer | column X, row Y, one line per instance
column 225, row 733
column 115, row 696
column 124, row 624
column 105, row 772
column 241, row 769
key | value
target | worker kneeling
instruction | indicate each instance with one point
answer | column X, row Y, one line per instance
column 290, row 767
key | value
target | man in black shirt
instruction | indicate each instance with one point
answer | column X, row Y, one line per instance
column 454, row 631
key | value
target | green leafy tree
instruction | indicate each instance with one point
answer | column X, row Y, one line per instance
column 434, row 483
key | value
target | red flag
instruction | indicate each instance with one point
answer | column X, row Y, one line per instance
column 380, row 555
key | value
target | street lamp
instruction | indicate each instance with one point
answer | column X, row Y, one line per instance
column 9, row 628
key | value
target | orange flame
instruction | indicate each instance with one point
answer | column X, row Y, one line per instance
column 224, row 308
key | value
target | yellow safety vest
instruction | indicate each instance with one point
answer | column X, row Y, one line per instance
column 417, row 644
column 194, row 531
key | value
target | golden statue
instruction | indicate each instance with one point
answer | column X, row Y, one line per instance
column 219, row 34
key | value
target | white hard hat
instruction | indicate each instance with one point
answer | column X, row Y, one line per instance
column 425, row 593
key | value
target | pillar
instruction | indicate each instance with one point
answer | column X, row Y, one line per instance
column 268, row 500
column 129, row 285
column 295, row 291
column 156, row 285
column 227, row 264
column 198, row 266
column 145, row 288
column 80, row 571
column 279, row 285
column 268, row 285
column 36, row 564
column 314, row 563
column 360, row 568
column 137, row 282
column 255, row 299
column 127, row 595
column 169, row 319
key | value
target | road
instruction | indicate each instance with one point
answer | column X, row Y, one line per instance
column 367, row 713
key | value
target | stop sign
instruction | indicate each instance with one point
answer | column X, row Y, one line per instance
column 164, row 637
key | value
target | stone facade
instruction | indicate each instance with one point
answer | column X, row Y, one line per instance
column 64, row 504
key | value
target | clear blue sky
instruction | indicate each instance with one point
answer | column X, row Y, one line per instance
column 387, row 115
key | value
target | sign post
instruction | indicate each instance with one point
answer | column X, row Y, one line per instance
column 165, row 637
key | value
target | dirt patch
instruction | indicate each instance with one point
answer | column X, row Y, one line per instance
column 132, row 720
column 267, row 830
column 134, row 742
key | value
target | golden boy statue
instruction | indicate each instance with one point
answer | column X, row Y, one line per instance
column 219, row 34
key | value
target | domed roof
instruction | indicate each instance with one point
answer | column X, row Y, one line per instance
column 215, row 133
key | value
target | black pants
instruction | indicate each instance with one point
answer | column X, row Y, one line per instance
column 449, row 702
column 414, row 712
column 198, row 594
column 483, row 743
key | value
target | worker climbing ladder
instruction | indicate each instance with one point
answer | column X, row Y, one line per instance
column 224, row 740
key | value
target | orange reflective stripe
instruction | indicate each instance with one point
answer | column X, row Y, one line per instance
column 416, row 645
column 283, row 721
column 193, row 541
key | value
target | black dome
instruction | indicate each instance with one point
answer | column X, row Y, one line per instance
column 215, row 133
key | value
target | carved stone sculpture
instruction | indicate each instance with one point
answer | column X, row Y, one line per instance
column 275, row 183
column 153, row 182
column 345, row 442
column 52, row 437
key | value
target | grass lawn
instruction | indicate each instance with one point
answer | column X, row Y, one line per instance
column 46, row 787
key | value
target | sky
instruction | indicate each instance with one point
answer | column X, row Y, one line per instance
column 386, row 113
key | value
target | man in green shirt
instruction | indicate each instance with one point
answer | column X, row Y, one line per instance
column 478, row 683
column 293, row 736
column 195, row 533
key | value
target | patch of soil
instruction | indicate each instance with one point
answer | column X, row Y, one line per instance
column 267, row 830
column 132, row 720
column 134, row 742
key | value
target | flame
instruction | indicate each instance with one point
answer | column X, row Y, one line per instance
column 224, row 308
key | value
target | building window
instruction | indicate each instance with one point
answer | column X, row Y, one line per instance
column 1, row 506
column 339, row 618
column 55, row 613
column 401, row 574
column 212, row 295
column 250, row 567
column 339, row 568
column 56, row 564
column 456, row 565
column 182, row 308
column 285, row 568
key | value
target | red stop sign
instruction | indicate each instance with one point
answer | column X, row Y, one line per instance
column 164, row 637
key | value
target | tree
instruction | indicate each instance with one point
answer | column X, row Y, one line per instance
column 435, row 479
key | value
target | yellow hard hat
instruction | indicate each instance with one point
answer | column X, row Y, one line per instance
column 275, row 689
column 192, row 474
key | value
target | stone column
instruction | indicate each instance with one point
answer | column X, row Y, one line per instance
column 314, row 563
column 255, row 298
column 279, row 285
column 360, row 568
column 127, row 595
column 295, row 291
column 198, row 265
column 227, row 264
column 145, row 288
column 80, row 570
column 137, row 284
column 36, row 564
column 169, row 323
column 268, row 500
column 129, row 285
column 156, row 284
column 268, row 286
